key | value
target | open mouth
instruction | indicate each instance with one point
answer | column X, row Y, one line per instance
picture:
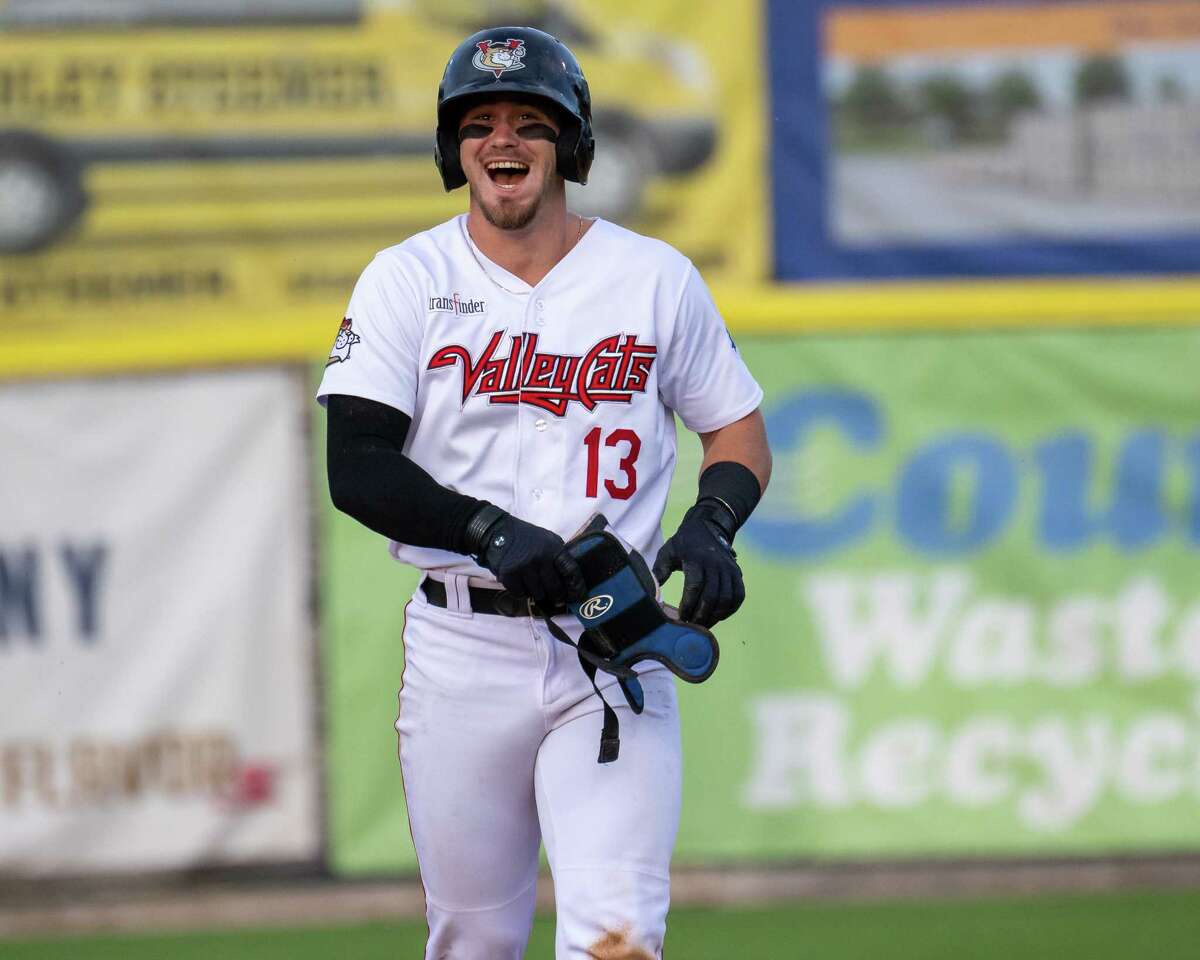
column 507, row 173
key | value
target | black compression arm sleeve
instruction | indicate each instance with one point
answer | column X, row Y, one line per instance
column 374, row 482
column 735, row 487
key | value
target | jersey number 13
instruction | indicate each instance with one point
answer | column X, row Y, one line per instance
column 626, row 465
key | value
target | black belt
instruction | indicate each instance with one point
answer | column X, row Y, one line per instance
column 503, row 604
column 499, row 603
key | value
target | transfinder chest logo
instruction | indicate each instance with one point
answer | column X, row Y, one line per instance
column 346, row 338
column 497, row 56
column 612, row 371
column 456, row 304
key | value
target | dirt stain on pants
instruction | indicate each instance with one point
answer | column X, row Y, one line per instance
column 616, row 945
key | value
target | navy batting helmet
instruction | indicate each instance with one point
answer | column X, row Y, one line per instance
column 526, row 63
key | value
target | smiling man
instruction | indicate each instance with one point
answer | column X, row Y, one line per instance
column 497, row 382
column 509, row 185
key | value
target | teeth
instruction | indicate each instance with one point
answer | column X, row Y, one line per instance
column 507, row 165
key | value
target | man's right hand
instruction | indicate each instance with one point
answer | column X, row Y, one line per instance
column 527, row 559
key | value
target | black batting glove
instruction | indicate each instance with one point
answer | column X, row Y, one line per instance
column 527, row 559
column 703, row 548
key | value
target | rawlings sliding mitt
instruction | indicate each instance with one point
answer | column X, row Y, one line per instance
column 624, row 622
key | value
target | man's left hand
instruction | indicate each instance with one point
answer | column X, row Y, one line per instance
column 702, row 548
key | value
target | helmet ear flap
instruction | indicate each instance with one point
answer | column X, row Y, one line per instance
column 585, row 151
column 574, row 151
column 565, row 149
column 449, row 164
column 583, row 143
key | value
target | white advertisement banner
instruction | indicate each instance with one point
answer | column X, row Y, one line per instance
column 156, row 640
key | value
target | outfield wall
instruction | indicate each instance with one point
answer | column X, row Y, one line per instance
column 971, row 627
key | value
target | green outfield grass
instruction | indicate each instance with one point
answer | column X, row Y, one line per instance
column 1162, row 926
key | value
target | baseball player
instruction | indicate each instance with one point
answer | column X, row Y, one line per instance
column 497, row 381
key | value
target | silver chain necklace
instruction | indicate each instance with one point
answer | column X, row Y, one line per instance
column 488, row 273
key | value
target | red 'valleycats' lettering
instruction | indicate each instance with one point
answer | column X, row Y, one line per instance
column 612, row 371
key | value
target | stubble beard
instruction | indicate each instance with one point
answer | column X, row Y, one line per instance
column 508, row 216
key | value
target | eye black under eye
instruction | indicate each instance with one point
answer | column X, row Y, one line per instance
column 537, row 131
column 529, row 131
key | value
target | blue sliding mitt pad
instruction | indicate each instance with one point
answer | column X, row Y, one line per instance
column 623, row 621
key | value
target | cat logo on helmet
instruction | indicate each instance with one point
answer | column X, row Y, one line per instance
column 499, row 55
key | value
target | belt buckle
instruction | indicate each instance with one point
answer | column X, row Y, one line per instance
column 509, row 605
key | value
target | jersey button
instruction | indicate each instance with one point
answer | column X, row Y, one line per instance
column 537, row 493
column 541, row 305
column 540, row 425
column 541, row 321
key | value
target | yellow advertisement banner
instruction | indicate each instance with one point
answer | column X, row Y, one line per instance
column 224, row 172
column 140, row 338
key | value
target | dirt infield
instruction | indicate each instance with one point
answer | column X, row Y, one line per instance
column 34, row 909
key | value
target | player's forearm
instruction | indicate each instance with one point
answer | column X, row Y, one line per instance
column 743, row 441
column 371, row 479
column 733, row 474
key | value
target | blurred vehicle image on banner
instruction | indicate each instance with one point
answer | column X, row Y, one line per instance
column 171, row 162
column 105, row 109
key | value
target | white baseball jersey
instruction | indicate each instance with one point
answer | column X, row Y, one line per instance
column 553, row 402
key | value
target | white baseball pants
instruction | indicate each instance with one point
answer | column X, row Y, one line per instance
column 499, row 732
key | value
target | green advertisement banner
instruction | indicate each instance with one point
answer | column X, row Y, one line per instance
column 972, row 625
